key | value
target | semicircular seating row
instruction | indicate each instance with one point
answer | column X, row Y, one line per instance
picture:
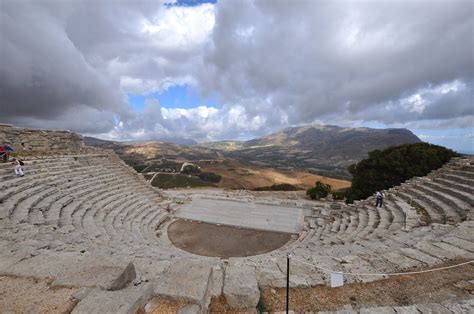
column 93, row 200
column 445, row 196
column 423, row 222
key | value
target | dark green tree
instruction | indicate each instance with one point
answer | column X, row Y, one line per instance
column 384, row 169
column 320, row 190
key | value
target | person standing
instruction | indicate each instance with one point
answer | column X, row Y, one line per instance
column 379, row 199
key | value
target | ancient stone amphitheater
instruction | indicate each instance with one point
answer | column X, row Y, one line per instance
column 83, row 218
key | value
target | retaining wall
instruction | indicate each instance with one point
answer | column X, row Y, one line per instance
column 40, row 140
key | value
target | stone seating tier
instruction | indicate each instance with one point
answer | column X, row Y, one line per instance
column 71, row 208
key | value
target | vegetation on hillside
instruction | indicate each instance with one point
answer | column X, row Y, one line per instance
column 174, row 180
column 278, row 187
column 191, row 169
column 384, row 169
column 210, row 177
column 319, row 190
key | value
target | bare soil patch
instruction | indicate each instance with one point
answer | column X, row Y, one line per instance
column 236, row 175
column 25, row 295
column 223, row 241
column 220, row 305
column 404, row 290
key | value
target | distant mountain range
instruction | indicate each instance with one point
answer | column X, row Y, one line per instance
column 323, row 149
column 93, row 141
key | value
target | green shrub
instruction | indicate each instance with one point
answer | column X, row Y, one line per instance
column 394, row 165
column 191, row 169
column 338, row 195
column 139, row 168
column 210, row 177
column 320, row 190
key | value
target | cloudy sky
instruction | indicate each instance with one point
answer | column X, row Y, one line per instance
column 236, row 69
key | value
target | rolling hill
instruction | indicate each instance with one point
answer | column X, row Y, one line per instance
column 323, row 149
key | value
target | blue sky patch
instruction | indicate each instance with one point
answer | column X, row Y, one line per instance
column 177, row 96
column 190, row 3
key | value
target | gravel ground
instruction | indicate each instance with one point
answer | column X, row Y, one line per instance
column 223, row 241
column 25, row 295
column 430, row 287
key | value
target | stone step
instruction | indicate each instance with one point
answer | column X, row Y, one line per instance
column 77, row 195
column 458, row 186
column 453, row 192
column 455, row 178
column 453, row 206
column 434, row 214
column 460, row 173
column 433, row 200
column 23, row 208
column 67, row 212
column 109, row 219
column 50, row 204
column 129, row 300
column 115, row 193
column 104, row 199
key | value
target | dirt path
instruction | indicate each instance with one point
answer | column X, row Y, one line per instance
column 430, row 287
column 223, row 241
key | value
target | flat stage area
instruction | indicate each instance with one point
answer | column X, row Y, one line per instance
column 223, row 241
column 242, row 214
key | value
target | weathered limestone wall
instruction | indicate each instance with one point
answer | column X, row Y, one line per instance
column 40, row 140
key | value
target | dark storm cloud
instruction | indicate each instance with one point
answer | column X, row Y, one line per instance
column 42, row 72
column 270, row 64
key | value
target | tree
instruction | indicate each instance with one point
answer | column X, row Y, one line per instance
column 394, row 165
column 320, row 190
column 189, row 168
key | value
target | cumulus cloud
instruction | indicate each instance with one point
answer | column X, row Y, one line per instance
column 268, row 63
column 314, row 59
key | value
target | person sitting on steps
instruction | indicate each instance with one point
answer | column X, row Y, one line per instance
column 379, row 198
column 18, row 167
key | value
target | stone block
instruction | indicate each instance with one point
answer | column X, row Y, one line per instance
column 76, row 270
column 186, row 279
column 241, row 287
column 270, row 274
column 124, row 301
column 217, row 281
